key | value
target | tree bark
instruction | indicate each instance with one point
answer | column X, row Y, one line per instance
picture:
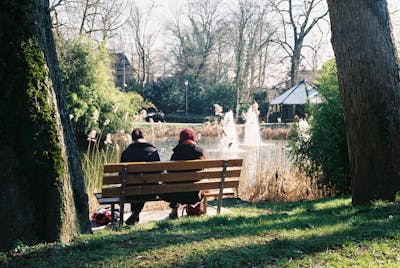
column 370, row 87
column 70, row 143
column 38, row 173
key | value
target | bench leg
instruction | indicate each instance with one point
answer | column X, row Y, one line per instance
column 112, row 213
column 121, row 214
column 205, row 204
column 221, row 187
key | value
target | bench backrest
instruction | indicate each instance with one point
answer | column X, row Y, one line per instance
column 145, row 177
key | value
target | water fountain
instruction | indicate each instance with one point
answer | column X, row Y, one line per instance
column 250, row 148
column 252, row 128
column 229, row 140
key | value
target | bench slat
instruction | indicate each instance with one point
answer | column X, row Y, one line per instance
column 154, row 178
column 109, row 200
column 169, row 165
column 215, row 193
column 169, row 188
column 130, row 199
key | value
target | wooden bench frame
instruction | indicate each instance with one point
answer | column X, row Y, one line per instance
column 123, row 181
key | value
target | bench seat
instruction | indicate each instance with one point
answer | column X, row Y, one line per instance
column 123, row 181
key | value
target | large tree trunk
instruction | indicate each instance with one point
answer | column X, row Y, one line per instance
column 295, row 63
column 370, row 87
column 70, row 144
column 37, row 173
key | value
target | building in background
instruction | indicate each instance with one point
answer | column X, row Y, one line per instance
column 123, row 71
column 291, row 103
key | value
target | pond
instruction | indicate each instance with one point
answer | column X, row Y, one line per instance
column 269, row 157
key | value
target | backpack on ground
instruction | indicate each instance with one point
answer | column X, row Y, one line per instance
column 195, row 209
column 103, row 216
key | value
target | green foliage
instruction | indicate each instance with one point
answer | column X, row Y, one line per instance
column 328, row 131
column 322, row 233
column 324, row 154
column 300, row 151
column 190, row 118
column 3, row 258
column 165, row 94
column 222, row 94
column 169, row 95
column 95, row 157
column 92, row 97
column 261, row 97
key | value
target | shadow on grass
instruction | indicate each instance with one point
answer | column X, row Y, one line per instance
column 286, row 231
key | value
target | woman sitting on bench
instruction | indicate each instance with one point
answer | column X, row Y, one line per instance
column 186, row 149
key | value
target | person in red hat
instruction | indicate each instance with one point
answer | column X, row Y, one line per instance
column 186, row 149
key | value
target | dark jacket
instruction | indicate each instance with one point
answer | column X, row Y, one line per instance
column 187, row 152
column 140, row 152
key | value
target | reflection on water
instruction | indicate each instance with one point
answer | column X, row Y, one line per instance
column 268, row 156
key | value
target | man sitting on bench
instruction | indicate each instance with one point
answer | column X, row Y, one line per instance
column 139, row 151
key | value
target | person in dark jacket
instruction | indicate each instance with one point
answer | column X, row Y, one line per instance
column 186, row 149
column 139, row 151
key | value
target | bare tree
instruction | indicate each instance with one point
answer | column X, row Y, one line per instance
column 221, row 60
column 315, row 47
column 54, row 7
column 298, row 18
column 111, row 18
column 241, row 20
column 89, row 14
column 369, row 80
column 143, row 40
column 98, row 18
column 257, row 57
column 252, row 35
column 197, row 39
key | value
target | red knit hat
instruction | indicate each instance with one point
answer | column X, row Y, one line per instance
column 187, row 134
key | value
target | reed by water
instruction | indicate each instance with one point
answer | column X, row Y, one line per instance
column 266, row 177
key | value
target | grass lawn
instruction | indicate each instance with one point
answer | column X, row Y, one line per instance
column 323, row 233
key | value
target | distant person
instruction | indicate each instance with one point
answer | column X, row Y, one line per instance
column 186, row 149
column 139, row 151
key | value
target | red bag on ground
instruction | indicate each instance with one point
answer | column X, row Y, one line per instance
column 196, row 209
column 102, row 217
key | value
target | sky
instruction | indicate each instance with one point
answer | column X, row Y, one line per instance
column 166, row 10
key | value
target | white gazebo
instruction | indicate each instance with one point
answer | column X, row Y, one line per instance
column 292, row 101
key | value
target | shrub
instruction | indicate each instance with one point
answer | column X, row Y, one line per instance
column 169, row 95
column 321, row 151
column 92, row 97
column 189, row 118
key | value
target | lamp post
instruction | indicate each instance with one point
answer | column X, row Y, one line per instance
column 123, row 69
column 186, row 96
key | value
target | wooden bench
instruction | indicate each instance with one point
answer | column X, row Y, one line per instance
column 123, row 181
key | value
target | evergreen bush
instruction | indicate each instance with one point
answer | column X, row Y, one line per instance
column 321, row 150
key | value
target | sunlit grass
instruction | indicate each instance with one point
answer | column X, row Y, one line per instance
column 322, row 233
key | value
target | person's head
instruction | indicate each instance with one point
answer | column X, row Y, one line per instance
column 187, row 134
column 137, row 134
